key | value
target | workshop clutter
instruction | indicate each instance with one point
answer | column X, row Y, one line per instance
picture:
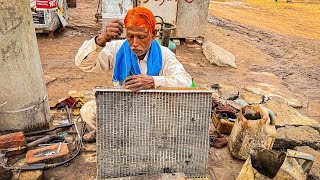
column 248, row 131
column 223, row 116
column 45, row 148
column 267, row 164
column 254, row 128
column 252, row 135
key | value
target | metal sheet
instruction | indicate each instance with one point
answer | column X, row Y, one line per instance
column 114, row 9
column 164, row 8
column 191, row 18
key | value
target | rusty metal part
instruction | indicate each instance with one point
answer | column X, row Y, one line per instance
column 49, row 130
column 265, row 164
column 44, row 139
column 49, row 154
column 43, row 166
column 33, row 138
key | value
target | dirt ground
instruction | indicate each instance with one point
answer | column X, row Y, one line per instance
column 274, row 42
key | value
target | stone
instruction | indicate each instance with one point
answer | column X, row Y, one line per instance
column 228, row 92
column 217, row 55
column 250, row 97
column 273, row 93
column 289, row 137
column 315, row 170
column 31, row 175
column 286, row 115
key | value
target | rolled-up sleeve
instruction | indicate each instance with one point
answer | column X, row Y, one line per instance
column 172, row 74
column 93, row 58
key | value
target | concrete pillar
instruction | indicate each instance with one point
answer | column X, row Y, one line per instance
column 21, row 78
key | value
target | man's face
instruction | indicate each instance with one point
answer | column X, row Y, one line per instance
column 139, row 40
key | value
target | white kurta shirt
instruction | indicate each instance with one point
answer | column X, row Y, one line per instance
column 93, row 58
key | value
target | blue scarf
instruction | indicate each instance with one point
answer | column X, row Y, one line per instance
column 127, row 62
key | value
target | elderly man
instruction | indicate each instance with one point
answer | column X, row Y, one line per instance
column 138, row 62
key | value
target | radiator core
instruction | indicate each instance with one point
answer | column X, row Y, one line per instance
column 152, row 131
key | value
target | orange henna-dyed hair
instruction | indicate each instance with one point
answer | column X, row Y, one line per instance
column 142, row 17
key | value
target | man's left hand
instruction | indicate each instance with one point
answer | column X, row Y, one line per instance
column 139, row 82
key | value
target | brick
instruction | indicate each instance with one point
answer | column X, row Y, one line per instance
column 31, row 175
column 37, row 155
column 13, row 140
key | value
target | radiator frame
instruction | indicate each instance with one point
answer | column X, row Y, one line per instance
column 179, row 156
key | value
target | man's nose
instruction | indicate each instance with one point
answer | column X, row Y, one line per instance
column 135, row 42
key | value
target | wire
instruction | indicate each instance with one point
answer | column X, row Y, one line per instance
column 3, row 104
column 24, row 109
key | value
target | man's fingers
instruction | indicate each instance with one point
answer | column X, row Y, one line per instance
column 133, row 86
column 115, row 30
column 113, row 35
column 138, row 89
column 120, row 22
column 132, row 81
column 116, row 24
column 121, row 29
column 129, row 78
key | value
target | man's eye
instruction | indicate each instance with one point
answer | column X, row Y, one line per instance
column 130, row 36
column 142, row 37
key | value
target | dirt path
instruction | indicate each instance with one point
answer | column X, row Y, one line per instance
column 296, row 19
column 288, row 35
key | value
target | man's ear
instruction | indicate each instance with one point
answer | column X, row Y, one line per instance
column 154, row 33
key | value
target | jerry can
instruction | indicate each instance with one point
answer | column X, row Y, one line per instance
column 254, row 127
column 265, row 164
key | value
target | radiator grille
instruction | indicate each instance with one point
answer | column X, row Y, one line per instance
column 153, row 131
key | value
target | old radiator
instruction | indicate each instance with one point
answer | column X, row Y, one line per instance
column 152, row 131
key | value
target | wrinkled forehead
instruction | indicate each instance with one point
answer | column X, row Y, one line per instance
column 137, row 30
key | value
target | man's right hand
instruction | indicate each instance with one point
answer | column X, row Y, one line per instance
column 113, row 30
